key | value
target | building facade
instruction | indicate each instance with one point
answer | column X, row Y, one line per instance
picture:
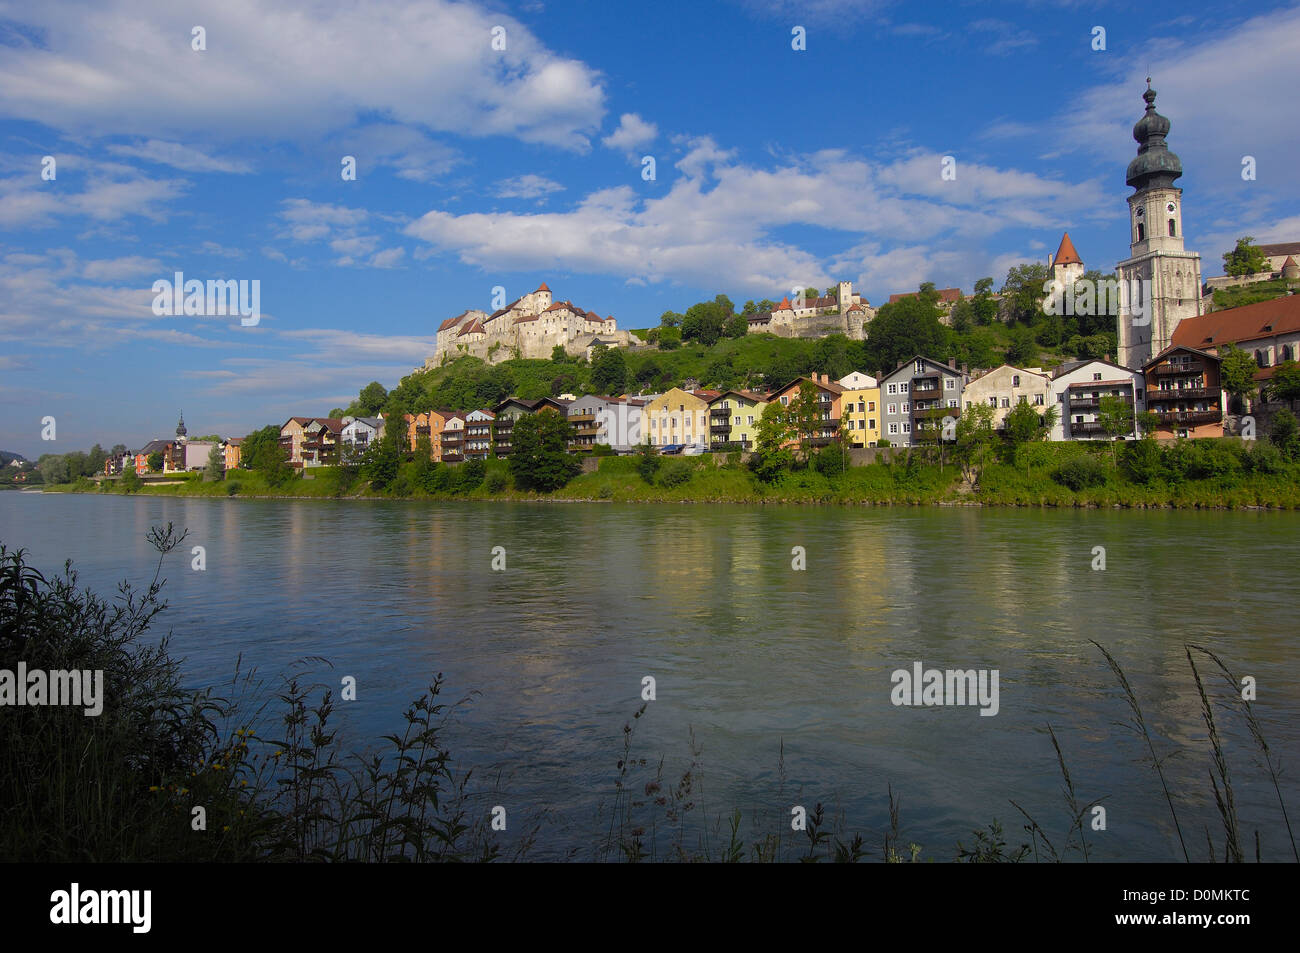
column 1184, row 389
column 1004, row 387
column 1077, row 390
column 919, row 392
column 734, row 417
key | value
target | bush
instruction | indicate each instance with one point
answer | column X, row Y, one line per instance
column 606, row 492
column 675, row 472
column 1264, row 457
column 648, row 462
column 471, row 475
column 830, row 461
column 495, row 481
column 1080, row 473
column 1142, row 461
column 602, row 450
column 232, row 487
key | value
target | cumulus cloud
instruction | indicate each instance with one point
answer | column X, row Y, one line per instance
column 632, row 132
column 291, row 69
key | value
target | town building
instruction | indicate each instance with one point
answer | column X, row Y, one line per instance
column 310, row 441
column 1269, row 331
column 860, row 408
column 478, row 434
column 678, row 417
column 734, row 417
column 830, row 397
column 1184, row 389
column 1077, row 389
column 451, row 443
column 1004, row 387
column 918, row 394
column 360, row 432
column 232, row 452
column 1157, row 258
column 508, row 412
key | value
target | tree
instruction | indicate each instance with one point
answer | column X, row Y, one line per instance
column 1285, row 384
column 379, row 464
column 1116, row 418
column 749, row 308
column 609, row 371
column 1246, row 259
column 670, row 319
column 903, row 329
column 648, row 462
column 119, row 449
column 1237, row 372
column 975, row 441
column 1285, row 434
column 771, row 456
column 1023, row 351
column 154, row 461
column 984, row 305
column 216, row 467
column 670, row 339
column 1023, row 424
column 131, row 481
column 261, row 451
column 737, row 326
column 371, row 399
column 804, row 417
column 539, row 452
column 963, row 316
column 1023, row 290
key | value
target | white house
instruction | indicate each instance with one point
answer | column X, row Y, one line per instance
column 361, row 432
column 1077, row 389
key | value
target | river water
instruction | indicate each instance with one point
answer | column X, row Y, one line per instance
column 783, row 675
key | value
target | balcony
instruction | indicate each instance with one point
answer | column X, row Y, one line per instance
column 578, row 419
column 720, row 428
column 925, row 393
column 1195, row 367
column 720, row 412
column 1179, row 393
column 820, row 441
column 453, row 457
column 1085, row 403
column 592, row 431
column 1090, row 426
column 1190, row 416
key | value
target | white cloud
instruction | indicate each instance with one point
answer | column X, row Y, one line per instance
column 111, row 192
column 527, row 187
column 632, row 132
column 113, row 269
column 185, row 158
column 292, row 69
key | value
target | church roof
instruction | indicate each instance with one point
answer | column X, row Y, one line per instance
column 1066, row 255
column 1247, row 323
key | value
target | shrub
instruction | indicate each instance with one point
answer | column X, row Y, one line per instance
column 675, row 472
column 1265, row 457
column 606, row 492
column 471, row 475
column 648, row 462
column 602, row 450
column 1080, row 473
column 1142, row 461
column 495, row 481
column 232, row 487
column 830, row 461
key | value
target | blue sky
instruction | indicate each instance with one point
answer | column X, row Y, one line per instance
column 480, row 167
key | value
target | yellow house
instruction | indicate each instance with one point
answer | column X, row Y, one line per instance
column 734, row 417
column 860, row 408
column 678, row 417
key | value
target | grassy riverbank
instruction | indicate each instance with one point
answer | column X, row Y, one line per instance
column 1222, row 474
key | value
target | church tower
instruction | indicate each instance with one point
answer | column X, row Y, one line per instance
column 1169, row 276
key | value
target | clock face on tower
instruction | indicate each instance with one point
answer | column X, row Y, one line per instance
column 1140, row 211
column 1170, row 207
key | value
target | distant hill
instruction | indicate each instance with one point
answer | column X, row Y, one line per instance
column 6, row 456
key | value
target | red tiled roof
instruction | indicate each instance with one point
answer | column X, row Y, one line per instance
column 542, row 287
column 784, row 305
column 1247, row 323
column 945, row 295
column 1066, row 255
column 474, row 327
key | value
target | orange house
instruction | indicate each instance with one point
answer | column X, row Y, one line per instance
column 1184, row 390
column 830, row 395
column 429, row 424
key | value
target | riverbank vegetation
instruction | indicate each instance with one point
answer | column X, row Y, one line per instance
column 169, row 773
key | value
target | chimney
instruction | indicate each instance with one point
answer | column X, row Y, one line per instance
column 952, row 362
column 965, row 370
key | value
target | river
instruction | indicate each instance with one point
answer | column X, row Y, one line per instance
column 784, row 675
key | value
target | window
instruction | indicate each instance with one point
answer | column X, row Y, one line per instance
column 751, row 420
column 993, row 401
column 1006, row 401
column 1079, row 419
column 1096, row 377
column 968, row 405
column 1173, row 229
column 1038, row 400
column 871, row 423
column 920, row 367
column 893, row 388
column 785, row 401
column 674, row 423
column 907, row 428
column 737, row 420
column 862, row 406
column 892, row 409
column 893, row 430
column 1015, row 380
column 1261, row 358
column 1288, row 352
column 902, row 388
column 949, row 383
column 953, row 402
column 1142, row 232
column 871, row 406
column 907, row 408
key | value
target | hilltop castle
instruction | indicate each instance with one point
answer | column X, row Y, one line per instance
column 846, row 312
column 529, row 327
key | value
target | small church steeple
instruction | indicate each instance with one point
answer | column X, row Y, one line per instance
column 180, row 427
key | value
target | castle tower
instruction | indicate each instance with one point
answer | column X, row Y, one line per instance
column 1067, row 266
column 1170, row 276
column 543, row 294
